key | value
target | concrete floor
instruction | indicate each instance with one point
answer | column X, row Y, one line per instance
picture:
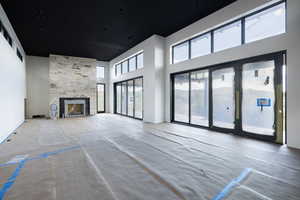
column 110, row 157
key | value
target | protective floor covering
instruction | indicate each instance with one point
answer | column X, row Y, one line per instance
column 116, row 158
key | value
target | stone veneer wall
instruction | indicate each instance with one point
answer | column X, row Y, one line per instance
column 72, row 77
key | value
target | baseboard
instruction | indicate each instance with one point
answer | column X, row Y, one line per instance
column 4, row 139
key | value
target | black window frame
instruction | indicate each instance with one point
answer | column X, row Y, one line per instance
column 189, row 50
column 142, row 53
column 225, row 25
column 104, row 86
column 127, row 60
column 279, row 57
column 199, row 36
column 120, row 83
column 242, row 19
column 19, row 54
column 97, row 67
column 135, row 63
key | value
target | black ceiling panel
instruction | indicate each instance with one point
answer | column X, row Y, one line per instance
column 99, row 29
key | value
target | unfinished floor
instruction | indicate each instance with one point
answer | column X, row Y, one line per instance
column 111, row 157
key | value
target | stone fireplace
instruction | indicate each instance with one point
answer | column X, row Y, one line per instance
column 72, row 85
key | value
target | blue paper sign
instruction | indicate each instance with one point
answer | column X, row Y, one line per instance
column 263, row 102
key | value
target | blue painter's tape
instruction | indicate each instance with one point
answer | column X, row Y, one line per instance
column 47, row 154
column 11, row 180
column 233, row 184
column 8, row 164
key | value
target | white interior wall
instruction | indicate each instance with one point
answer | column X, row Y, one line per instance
column 153, row 73
column 289, row 41
column 12, row 82
column 37, row 71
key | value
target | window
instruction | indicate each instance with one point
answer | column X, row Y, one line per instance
column 132, row 64
column 265, row 24
column 100, row 72
column 19, row 55
column 100, row 98
column 1, row 27
column 140, row 61
column 228, row 36
column 118, row 70
column 124, row 98
column 181, row 52
column 129, row 98
column 199, row 98
column 125, row 67
column 118, row 98
column 181, row 100
column 138, row 98
column 223, row 101
column 201, row 45
column 7, row 36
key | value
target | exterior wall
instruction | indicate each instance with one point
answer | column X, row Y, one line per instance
column 72, row 77
column 37, row 71
column 289, row 41
column 153, row 74
column 12, row 82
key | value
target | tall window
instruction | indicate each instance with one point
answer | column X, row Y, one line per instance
column 228, row 36
column 100, row 72
column 181, row 52
column 100, row 98
column 199, row 98
column 265, row 24
column 181, row 100
column 138, row 98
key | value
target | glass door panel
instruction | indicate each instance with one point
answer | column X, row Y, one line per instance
column 223, row 98
column 100, row 98
column 258, row 98
column 130, row 98
column 124, row 98
column 138, row 98
column 181, row 98
column 199, row 98
column 119, row 98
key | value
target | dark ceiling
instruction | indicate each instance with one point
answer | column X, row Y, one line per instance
column 99, row 29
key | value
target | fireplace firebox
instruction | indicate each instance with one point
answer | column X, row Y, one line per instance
column 74, row 107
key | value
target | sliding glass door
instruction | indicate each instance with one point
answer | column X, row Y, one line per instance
column 223, row 101
column 199, row 98
column 138, row 98
column 100, row 98
column 181, row 100
column 244, row 97
column 129, row 98
column 258, row 100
